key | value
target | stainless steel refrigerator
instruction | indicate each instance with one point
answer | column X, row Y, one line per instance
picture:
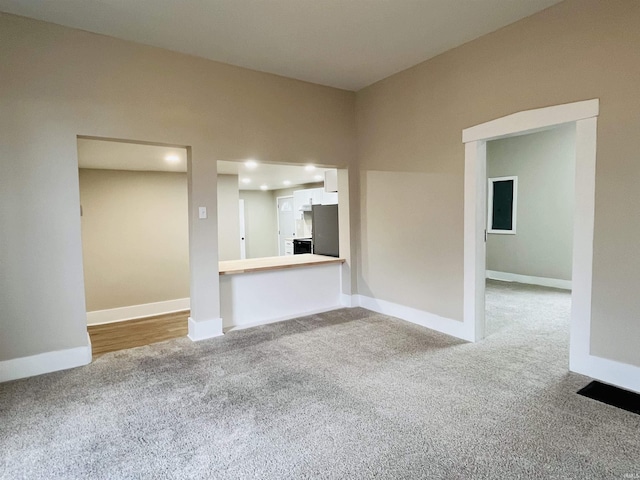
column 324, row 229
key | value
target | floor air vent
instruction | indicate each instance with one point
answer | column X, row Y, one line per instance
column 611, row 395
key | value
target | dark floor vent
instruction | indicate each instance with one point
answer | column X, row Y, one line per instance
column 611, row 395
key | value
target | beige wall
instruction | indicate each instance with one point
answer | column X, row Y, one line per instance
column 135, row 237
column 544, row 163
column 412, row 158
column 58, row 83
column 261, row 224
column 228, row 218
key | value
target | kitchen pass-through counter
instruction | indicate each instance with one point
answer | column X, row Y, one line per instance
column 231, row 267
column 264, row 290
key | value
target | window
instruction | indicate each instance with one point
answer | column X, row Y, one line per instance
column 502, row 205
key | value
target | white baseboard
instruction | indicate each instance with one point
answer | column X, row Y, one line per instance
column 204, row 329
column 419, row 317
column 542, row 281
column 131, row 312
column 281, row 319
column 608, row 371
column 48, row 362
column 348, row 301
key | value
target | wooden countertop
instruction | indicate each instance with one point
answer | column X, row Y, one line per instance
column 231, row 267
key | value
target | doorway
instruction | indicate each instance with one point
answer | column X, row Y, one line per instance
column 530, row 197
column 584, row 114
column 135, row 239
column 286, row 225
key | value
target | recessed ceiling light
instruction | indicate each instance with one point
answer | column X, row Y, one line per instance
column 310, row 168
column 246, row 180
column 318, row 177
column 172, row 158
column 251, row 164
column 263, row 187
column 287, row 182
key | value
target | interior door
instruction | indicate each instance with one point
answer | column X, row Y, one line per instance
column 286, row 222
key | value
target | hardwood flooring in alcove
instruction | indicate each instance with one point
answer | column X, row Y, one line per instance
column 110, row 337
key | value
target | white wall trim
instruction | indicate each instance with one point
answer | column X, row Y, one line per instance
column 529, row 121
column 419, row 317
column 615, row 373
column 204, row 329
column 609, row 371
column 583, row 227
column 48, row 362
column 474, row 262
column 531, row 280
column 131, row 312
column 348, row 301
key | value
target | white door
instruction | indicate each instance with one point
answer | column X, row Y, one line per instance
column 243, row 243
column 286, row 222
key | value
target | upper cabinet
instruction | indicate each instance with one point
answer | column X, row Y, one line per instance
column 302, row 203
column 329, row 198
column 318, row 196
column 304, row 199
column 331, row 181
column 300, row 198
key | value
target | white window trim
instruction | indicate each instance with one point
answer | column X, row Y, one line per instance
column 514, row 207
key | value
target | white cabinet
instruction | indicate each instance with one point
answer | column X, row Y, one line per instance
column 303, row 199
column 288, row 247
column 317, row 196
column 331, row 181
column 329, row 198
column 302, row 202
column 300, row 198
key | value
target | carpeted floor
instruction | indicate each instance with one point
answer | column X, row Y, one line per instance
column 348, row 394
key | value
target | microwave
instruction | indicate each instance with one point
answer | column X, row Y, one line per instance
column 302, row 245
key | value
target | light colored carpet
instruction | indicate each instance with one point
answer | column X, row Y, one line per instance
column 348, row 394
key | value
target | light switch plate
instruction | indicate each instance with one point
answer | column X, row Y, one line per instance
column 202, row 212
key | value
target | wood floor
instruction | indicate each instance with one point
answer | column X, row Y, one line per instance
column 111, row 337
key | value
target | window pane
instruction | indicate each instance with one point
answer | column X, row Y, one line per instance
column 502, row 218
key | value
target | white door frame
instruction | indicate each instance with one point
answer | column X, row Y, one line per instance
column 584, row 114
column 243, row 232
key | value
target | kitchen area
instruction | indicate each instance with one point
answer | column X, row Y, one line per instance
column 315, row 214
column 287, row 263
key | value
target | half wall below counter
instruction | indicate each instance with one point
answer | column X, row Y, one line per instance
column 264, row 290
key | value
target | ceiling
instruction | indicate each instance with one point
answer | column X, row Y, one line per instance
column 116, row 155
column 347, row 44
column 272, row 176
column 109, row 155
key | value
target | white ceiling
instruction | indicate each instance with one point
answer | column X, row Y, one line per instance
column 108, row 155
column 273, row 176
column 347, row 44
column 114, row 155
